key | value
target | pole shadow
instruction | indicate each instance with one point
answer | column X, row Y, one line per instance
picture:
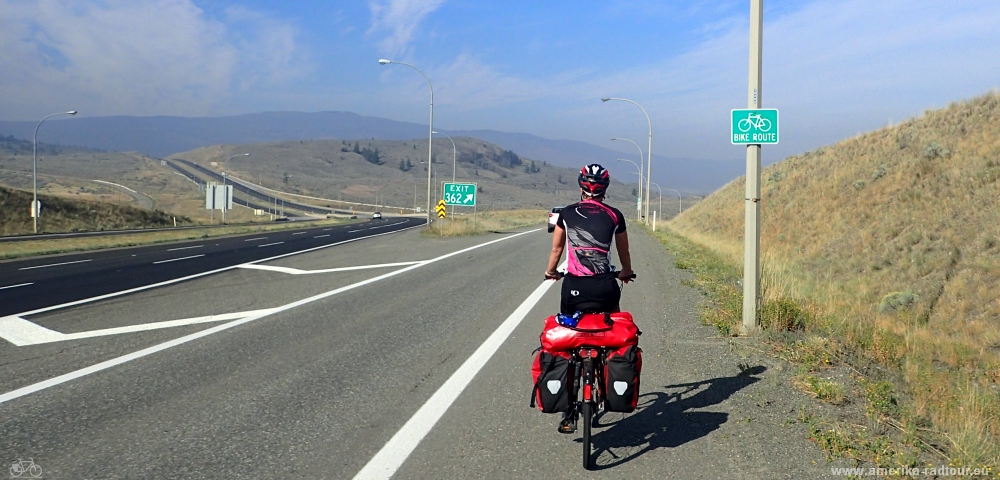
column 663, row 418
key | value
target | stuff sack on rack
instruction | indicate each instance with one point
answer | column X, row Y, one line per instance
column 612, row 330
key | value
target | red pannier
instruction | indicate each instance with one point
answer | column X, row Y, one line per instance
column 552, row 374
column 612, row 330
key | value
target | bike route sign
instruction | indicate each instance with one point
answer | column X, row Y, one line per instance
column 460, row 194
column 755, row 126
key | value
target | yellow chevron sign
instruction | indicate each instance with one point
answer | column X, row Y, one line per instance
column 440, row 209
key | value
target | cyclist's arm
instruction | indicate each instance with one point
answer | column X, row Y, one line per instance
column 558, row 245
column 621, row 242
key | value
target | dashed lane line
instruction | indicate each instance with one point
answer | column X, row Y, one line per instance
column 54, row 264
column 176, row 259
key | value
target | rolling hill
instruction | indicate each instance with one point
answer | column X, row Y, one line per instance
column 894, row 235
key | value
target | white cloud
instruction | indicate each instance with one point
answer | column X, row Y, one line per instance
column 834, row 68
column 398, row 20
column 133, row 57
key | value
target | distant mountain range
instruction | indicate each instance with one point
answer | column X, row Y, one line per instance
column 161, row 136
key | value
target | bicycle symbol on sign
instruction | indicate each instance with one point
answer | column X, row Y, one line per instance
column 19, row 467
column 755, row 122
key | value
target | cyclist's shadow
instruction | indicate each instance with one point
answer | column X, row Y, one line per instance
column 662, row 419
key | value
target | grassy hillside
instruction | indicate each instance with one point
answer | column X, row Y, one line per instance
column 892, row 239
column 67, row 215
column 332, row 169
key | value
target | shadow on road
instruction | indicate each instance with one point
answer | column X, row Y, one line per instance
column 664, row 418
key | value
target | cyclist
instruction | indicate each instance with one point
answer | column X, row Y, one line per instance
column 589, row 226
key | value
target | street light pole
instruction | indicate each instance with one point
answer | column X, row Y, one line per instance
column 640, row 168
column 430, row 134
column 637, row 167
column 454, row 165
column 35, row 211
column 225, row 196
column 751, row 226
column 659, row 198
column 680, row 205
column 649, row 149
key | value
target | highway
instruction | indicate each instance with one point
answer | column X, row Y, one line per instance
column 41, row 282
column 400, row 355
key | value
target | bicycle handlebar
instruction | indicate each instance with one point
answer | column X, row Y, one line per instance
column 562, row 274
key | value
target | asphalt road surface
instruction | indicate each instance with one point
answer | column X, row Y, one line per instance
column 37, row 283
column 413, row 363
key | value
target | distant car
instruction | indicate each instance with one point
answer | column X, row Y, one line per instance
column 279, row 219
column 554, row 217
column 377, row 216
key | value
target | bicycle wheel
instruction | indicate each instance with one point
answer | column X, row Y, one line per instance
column 35, row 471
column 744, row 125
column 588, row 417
column 765, row 124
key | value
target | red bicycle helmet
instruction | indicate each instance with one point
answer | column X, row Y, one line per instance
column 594, row 180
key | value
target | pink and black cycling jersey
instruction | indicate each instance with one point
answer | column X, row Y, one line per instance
column 590, row 227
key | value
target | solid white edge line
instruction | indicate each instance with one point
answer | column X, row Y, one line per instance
column 387, row 461
column 176, row 259
column 54, row 264
column 18, row 285
column 296, row 271
column 66, row 377
column 183, row 248
column 202, row 274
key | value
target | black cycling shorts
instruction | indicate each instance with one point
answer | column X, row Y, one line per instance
column 598, row 293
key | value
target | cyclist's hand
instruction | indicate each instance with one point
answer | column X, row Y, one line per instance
column 553, row 275
column 626, row 275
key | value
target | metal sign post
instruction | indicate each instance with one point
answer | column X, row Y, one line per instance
column 751, row 234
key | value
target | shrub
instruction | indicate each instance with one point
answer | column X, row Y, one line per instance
column 897, row 301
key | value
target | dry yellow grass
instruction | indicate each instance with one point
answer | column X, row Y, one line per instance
column 853, row 228
column 492, row 221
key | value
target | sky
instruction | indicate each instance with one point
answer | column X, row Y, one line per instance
column 834, row 68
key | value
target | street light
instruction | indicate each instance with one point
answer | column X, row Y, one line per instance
column 649, row 150
column 637, row 167
column 225, row 197
column 430, row 134
column 454, row 164
column 640, row 168
column 680, row 205
column 34, row 168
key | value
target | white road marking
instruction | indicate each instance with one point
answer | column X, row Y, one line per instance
column 18, row 285
column 327, row 229
column 252, row 239
column 184, row 248
column 353, row 231
column 385, row 463
column 53, row 264
column 299, row 233
column 66, row 377
column 176, row 259
column 321, row 236
column 202, row 274
column 295, row 271
column 21, row 332
column 269, row 244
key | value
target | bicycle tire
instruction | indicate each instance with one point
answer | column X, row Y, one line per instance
column 588, row 417
column 35, row 471
column 763, row 122
column 740, row 124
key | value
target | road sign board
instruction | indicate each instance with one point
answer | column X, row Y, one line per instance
column 460, row 194
column 440, row 209
column 754, row 126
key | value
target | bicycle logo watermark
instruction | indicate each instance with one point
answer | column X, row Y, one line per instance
column 755, row 122
column 20, row 467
